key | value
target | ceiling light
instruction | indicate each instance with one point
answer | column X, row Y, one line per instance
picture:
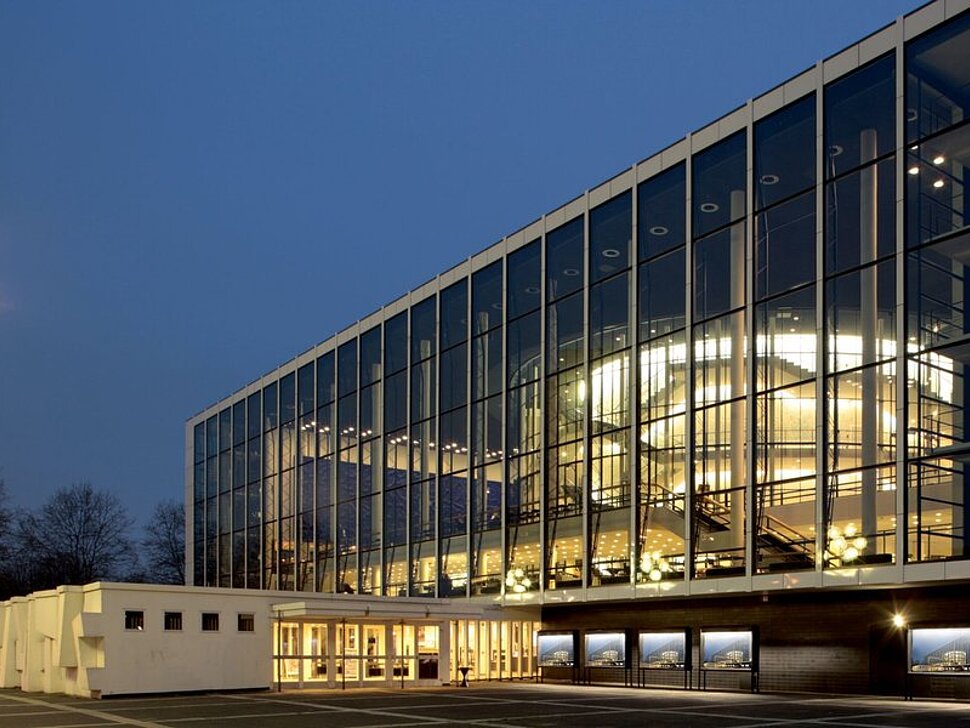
column 835, row 150
column 611, row 253
column 571, row 272
column 710, row 207
column 938, row 159
column 914, row 170
column 659, row 230
column 938, row 184
column 769, row 179
column 532, row 290
column 912, row 115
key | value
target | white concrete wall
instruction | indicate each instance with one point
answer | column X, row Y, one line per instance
column 73, row 639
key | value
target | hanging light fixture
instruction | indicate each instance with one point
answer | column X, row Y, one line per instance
column 844, row 545
column 517, row 581
column 654, row 565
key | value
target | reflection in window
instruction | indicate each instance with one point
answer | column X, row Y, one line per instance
column 857, row 106
column 525, row 278
column 487, row 298
column 610, row 228
column 564, row 259
column 784, row 153
column 719, row 188
column 661, row 212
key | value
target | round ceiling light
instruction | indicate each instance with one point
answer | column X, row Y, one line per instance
column 710, row 207
column 769, row 179
column 835, row 150
column 532, row 290
column 659, row 230
column 497, row 306
column 611, row 253
column 571, row 272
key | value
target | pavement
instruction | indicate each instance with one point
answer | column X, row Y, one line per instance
column 490, row 705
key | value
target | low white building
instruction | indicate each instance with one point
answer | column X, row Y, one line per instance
column 112, row 638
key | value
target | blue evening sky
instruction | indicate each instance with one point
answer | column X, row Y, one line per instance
column 192, row 193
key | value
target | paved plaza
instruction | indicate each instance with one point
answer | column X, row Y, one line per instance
column 482, row 705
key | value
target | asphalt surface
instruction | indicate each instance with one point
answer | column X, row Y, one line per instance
column 485, row 704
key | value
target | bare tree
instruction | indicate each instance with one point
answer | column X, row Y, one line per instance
column 80, row 535
column 164, row 544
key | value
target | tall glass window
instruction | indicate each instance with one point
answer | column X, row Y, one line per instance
column 937, row 263
column 860, row 240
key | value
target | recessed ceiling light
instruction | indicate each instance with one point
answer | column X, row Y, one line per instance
column 497, row 306
column 532, row 290
column 938, row 183
column 938, row 159
column 571, row 272
column 710, row 207
column 769, row 179
column 611, row 253
column 659, row 230
column 914, row 170
column 835, row 150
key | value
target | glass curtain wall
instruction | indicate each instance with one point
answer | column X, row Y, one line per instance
column 507, row 434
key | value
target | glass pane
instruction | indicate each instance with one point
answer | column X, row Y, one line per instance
column 860, row 217
column 719, row 272
column 524, row 419
column 785, row 246
column 661, row 212
column 396, row 343
column 719, row 359
column 454, row 377
column 564, row 333
column 370, row 356
column 719, row 188
column 487, row 364
column 347, row 368
column 610, row 230
column 524, row 349
column 936, row 200
column 326, row 391
column 784, row 153
column 423, row 390
column 860, row 317
column 861, row 417
column 525, row 277
column 395, row 401
column 663, row 295
column 938, row 67
column 609, row 314
column 860, row 116
column 564, row 259
column 487, row 298
column 423, row 333
column 454, row 314
column 786, row 339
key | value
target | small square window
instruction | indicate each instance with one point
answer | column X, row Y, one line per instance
column 173, row 621
column 246, row 623
column 134, row 619
column 210, row 621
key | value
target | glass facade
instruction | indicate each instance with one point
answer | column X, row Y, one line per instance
column 703, row 374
